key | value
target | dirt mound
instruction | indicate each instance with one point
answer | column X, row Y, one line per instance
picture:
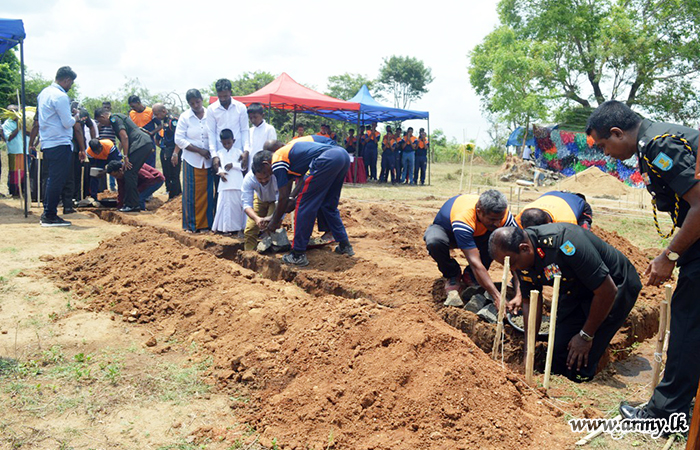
column 595, row 182
column 319, row 368
column 515, row 167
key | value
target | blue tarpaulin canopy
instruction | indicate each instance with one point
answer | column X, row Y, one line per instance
column 516, row 138
column 373, row 111
column 11, row 34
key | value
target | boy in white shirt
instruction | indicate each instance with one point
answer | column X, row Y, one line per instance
column 229, row 209
column 260, row 132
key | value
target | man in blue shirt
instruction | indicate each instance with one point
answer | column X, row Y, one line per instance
column 56, row 123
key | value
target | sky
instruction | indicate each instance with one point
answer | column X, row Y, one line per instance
column 175, row 46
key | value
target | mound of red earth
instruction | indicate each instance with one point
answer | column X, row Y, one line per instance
column 319, row 366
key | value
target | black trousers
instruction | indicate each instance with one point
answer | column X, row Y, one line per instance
column 680, row 382
column 570, row 324
column 137, row 157
column 439, row 243
column 171, row 173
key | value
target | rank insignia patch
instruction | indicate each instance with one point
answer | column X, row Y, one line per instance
column 568, row 248
column 540, row 252
column 663, row 162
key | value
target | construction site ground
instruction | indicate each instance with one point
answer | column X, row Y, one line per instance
column 125, row 332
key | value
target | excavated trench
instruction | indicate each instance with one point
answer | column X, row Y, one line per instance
column 642, row 323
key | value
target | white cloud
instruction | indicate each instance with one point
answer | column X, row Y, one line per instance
column 179, row 45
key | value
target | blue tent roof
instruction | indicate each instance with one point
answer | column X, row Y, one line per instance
column 516, row 138
column 373, row 111
column 11, row 33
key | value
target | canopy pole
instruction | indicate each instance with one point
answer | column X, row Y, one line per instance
column 28, row 192
column 430, row 150
column 294, row 123
column 357, row 152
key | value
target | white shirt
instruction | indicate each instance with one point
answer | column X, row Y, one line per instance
column 251, row 185
column 234, row 175
column 235, row 118
column 191, row 130
column 55, row 118
column 258, row 136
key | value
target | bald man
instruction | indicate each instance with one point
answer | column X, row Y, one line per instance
column 166, row 142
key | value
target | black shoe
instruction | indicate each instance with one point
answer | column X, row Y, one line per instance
column 299, row 259
column 53, row 222
column 129, row 209
column 345, row 249
column 70, row 210
column 633, row 412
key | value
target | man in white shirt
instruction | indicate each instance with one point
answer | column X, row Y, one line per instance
column 55, row 125
column 260, row 132
column 227, row 113
column 259, row 195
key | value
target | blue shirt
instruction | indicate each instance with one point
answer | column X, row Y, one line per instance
column 14, row 147
column 55, row 119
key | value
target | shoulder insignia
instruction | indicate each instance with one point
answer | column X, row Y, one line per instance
column 551, row 270
column 568, row 248
column 547, row 241
column 112, row 119
column 663, row 161
column 540, row 252
column 528, row 279
column 641, row 144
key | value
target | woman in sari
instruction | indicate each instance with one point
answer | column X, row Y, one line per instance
column 198, row 181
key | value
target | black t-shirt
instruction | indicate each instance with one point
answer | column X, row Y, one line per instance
column 137, row 137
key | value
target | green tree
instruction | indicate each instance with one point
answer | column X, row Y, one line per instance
column 9, row 79
column 404, row 79
column 642, row 52
column 245, row 84
column 506, row 72
column 345, row 86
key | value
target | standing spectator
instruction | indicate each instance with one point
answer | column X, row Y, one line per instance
column 108, row 133
column 149, row 181
column 86, row 131
column 408, row 159
column 191, row 135
column 12, row 135
column 351, row 142
column 137, row 147
column 56, row 123
column 398, row 151
column 388, row 158
column 167, row 147
column 371, row 147
column 143, row 117
column 259, row 196
column 229, row 216
column 422, row 147
column 260, row 132
column 300, row 131
column 227, row 113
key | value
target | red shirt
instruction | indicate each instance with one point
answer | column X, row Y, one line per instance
column 148, row 176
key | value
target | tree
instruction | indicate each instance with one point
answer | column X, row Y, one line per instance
column 345, row 86
column 642, row 52
column 9, row 79
column 404, row 78
column 245, row 84
column 506, row 72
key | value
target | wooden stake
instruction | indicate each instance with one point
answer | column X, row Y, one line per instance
column 471, row 167
column 694, row 433
column 669, row 296
column 498, row 339
column 552, row 329
column 531, row 334
column 660, row 337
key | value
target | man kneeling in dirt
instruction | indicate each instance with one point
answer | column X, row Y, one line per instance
column 599, row 287
column 557, row 207
column 466, row 222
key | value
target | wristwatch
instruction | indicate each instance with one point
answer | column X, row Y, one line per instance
column 585, row 336
column 671, row 255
